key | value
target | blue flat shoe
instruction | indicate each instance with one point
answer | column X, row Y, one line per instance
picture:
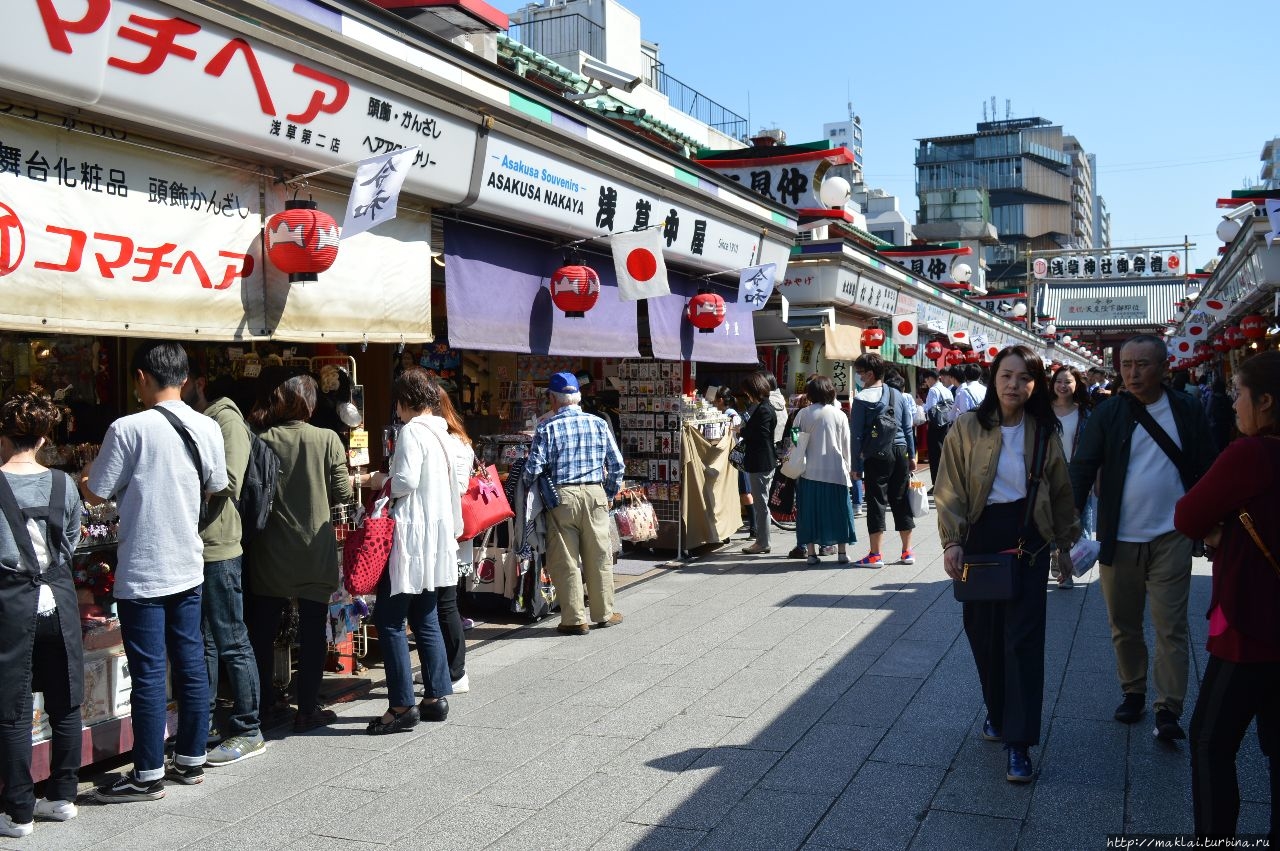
column 989, row 731
column 1020, row 770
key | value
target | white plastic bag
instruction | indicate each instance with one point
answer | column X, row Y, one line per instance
column 917, row 498
column 1084, row 555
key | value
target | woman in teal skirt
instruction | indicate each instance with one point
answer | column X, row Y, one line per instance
column 824, row 512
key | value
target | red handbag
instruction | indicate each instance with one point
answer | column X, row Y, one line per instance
column 484, row 505
column 367, row 549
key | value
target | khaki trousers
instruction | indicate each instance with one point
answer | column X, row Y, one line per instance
column 1159, row 570
column 577, row 529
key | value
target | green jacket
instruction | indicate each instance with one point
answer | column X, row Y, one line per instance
column 297, row 554
column 1105, row 443
column 221, row 536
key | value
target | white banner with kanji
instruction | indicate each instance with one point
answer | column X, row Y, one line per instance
column 101, row 235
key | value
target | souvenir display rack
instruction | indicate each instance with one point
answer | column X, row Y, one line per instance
column 650, row 405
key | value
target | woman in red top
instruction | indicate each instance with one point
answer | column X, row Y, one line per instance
column 1242, row 679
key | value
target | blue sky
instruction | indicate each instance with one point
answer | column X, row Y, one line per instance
column 1171, row 97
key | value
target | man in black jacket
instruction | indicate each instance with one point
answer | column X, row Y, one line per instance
column 1151, row 443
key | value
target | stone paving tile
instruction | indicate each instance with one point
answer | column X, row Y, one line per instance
column 95, row 826
column 702, row 794
column 712, row 668
column 464, row 826
column 907, row 658
column 284, row 823
column 740, row 695
column 882, row 808
column 166, row 832
column 873, row 701
column 782, row 720
column 644, row 837
column 584, row 814
column 976, row 783
column 933, row 744
column 539, row 782
column 824, row 760
column 644, row 713
column 947, row 831
column 768, row 819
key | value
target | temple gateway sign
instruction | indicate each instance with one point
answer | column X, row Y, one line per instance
column 1125, row 309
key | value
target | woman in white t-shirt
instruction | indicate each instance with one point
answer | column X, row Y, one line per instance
column 824, row 510
column 1072, row 404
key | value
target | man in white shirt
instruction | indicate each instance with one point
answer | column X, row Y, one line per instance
column 936, row 425
column 1133, row 438
column 160, row 472
column 972, row 392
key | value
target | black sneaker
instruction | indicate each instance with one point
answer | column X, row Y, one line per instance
column 187, row 775
column 1167, row 727
column 129, row 788
column 1131, row 708
column 796, row 552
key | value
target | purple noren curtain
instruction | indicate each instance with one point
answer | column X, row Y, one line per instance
column 674, row 338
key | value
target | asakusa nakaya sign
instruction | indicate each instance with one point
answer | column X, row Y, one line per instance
column 140, row 60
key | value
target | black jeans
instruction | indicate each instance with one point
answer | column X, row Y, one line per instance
column 934, row 436
column 455, row 641
column 1231, row 696
column 886, row 478
column 263, row 617
column 226, row 642
column 49, row 677
column 1007, row 638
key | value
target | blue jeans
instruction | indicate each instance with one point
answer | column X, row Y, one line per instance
column 150, row 627
column 226, row 642
column 389, row 615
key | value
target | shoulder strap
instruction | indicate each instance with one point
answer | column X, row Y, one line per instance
column 1035, row 472
column 190, row 442
column 448, row 459
column 1160, row 436
column 1247, row 521
column 18, row 526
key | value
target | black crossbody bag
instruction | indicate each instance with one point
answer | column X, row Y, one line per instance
column 993, row 577
column 194, row 451
column 1171, row 449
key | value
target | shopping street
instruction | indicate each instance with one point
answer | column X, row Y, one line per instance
column 744, row 703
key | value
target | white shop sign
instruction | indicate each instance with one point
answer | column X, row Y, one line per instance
column 1125, row 309
column 141, row 60
column 534, row 186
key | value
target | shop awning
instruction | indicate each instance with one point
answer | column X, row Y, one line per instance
column 771, row 330
column 498, row 300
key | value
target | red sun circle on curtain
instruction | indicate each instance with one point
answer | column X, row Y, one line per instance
column 302, row 241
column 575, row 290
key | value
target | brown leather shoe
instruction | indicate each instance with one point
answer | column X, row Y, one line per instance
column 614, row 620
column 573, row 629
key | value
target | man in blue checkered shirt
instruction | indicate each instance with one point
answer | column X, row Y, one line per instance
column 577, row 453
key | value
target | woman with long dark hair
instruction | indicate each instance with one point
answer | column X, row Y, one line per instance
column 1072, row 404
column 295, row 555
column 40, row 647
column 988, row 463
column 759, row 457
column 1234, row 508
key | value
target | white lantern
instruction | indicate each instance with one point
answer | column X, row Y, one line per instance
column 1066, row 338
column 1020, row 309
column 1050, row 329
column 961, row 273
column 1228, row 229
column 834, row 191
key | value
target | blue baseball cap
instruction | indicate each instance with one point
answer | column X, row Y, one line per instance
column 563, row 382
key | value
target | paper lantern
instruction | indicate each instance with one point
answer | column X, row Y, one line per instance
column 575, row 289
column 872, row 338
column 1221, row 345
column 1233, row 336
column 972, row 356
column 302, row 241
column 908, row 350
column 933, row 350
column 1254, row 327
column 953, row 357
column 706, row 312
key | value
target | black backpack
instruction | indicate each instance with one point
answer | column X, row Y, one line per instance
column 939, row 416
column 258, row 491
column 882, row 427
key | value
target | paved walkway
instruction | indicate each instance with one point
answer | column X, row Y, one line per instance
column 745, row 703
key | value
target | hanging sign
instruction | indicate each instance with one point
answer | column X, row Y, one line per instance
column 1129, row 263
column 1120, row 309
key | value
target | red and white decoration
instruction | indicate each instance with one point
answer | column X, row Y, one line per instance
column 934, row 350
column 872, row 338
column 706, row 312
column 959, row 337
column 575, row 289
column 1212, row 307
column 1254, row 327
column 905, row 331
column 638, row 263
column 302, row 241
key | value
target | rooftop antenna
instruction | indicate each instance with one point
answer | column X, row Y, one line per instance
column 994, row 114
column 1008, row 108
column 984, row 112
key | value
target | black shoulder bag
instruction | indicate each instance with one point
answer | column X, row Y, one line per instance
column 194, row 452
column 993, row 577
column 1162, row 439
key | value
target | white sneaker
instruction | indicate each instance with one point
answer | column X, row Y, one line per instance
column 56, row 810
column 8, row 827
column 462, row 686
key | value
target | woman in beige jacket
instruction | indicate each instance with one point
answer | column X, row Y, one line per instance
column 981, row 498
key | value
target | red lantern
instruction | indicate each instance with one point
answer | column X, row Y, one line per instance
column 972, row 356
column 1233, row 336
column 706, row 312
column 908, row 350
column 302, row 240
column 953, row 357
column 933, row 350
column 1202, row 347
column 1221, row 344
column 1254, row 327
column 575, row 289
column 872, row 338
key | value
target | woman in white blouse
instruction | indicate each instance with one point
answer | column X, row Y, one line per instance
column 424, row 554
column 1071, row 404
column 824, row 511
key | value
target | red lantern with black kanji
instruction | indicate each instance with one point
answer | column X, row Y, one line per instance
column 706, row 312
column 1233, row 336
column 933, row 350
column 953, row 357
column 575, row 289
column 872, row 338
column 1254, row 327
column 302, row 240
column 908, row 350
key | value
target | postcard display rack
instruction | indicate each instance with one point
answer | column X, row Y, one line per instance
column 651, row 409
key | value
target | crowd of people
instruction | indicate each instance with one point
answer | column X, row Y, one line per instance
column 1022, row 462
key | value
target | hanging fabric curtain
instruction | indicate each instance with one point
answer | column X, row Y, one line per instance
column 496, row 289
column 674, row 338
